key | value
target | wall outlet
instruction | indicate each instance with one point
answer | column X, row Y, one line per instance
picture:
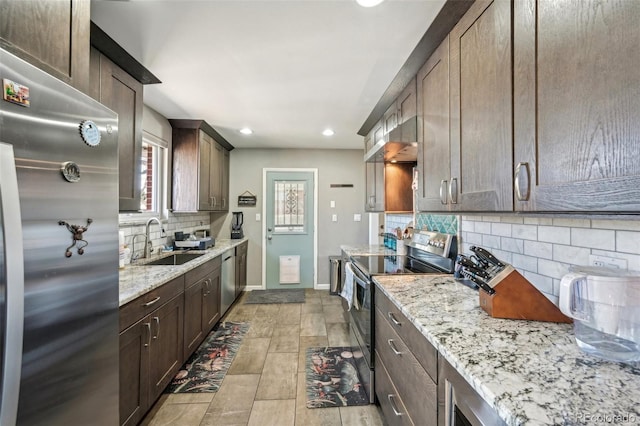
column 258, row 217
column 334, row 217
column 607, row 262
column 357, row 217
column 333, row 204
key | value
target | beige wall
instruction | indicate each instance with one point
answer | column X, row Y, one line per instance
column 334, row 166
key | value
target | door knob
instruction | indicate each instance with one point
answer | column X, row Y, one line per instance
column 269, row 237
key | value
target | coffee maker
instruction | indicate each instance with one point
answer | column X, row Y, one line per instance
column 236, row 226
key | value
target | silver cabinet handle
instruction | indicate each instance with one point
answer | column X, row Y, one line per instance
column 453, row 190
column 392, row 345
column 215, row 201
column 394, row 407
column 151, row 302
column 224, row 202
column 443, row 195
column 157, row 321
column 393, row 319
column 372, row 201
column 148, row 326
column 522, row 170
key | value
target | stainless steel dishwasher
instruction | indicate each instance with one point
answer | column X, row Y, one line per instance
column 228, row 289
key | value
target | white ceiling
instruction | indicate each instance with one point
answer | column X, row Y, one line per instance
column 287, row 69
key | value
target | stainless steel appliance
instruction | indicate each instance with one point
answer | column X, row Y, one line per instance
column 428, row 253
column 228, row 288
column 236, row 226
column 58, row 252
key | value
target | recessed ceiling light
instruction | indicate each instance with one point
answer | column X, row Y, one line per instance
column 369, row 3
column 246, row 131
column 328, row 132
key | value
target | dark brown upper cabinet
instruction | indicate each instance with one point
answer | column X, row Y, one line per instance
column 577, row 97
column 434, row 157
column 200, row 167
column 481, row 112
column 52, row 35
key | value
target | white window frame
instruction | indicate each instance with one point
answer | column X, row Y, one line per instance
column 161, row 176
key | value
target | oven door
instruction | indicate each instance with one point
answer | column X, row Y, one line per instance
column 361, row 329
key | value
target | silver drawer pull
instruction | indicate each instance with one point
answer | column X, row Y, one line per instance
column 157, row 320
column 148, row 325
column 392, row 345
column 152, row 302
column 394, row 407
column 393, row 319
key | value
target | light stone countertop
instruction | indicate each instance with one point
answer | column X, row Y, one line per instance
column 367, row 250
column 530, row 372
column 136, row 280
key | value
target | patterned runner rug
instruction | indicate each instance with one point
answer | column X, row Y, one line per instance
column 205, row 369
column 332, row 378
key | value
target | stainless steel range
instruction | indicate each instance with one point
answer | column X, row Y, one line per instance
column 427, row 253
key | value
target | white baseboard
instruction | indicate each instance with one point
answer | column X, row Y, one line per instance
column 322, row 287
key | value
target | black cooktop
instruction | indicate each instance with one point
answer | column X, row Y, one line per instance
column 391, row 264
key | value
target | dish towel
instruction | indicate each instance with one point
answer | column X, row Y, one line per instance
column 347, row 288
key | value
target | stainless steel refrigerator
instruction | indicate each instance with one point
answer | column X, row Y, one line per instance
column 58, row 252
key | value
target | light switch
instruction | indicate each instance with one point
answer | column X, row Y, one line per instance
column 333, row 204
column 334, row 218
column 357, row 217
column 257, row 217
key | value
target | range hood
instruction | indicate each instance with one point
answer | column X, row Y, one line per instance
column 399, row 145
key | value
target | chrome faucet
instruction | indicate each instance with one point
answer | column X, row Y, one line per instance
column 147, row 241
column 133, row 247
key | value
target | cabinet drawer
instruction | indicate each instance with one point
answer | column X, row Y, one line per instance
column 415, row 387
column 202, row 271
column 138, row 308
column 424, row 352
column 390, row 401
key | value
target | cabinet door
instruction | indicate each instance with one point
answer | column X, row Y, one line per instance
column 406, row 103
column 205, row 194
column 481, row 118
column 390, row 118
column 215, row 175
column 134, row 372
column 577, row 95
column 211, row 301
column 52, row 35
column 224, row 180
column 123, row 94
column 193, row 312
column 241, row 268
column 166, row 344
column 434, row 158
column 374, row 182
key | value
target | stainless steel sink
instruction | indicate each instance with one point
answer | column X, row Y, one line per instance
column 174, row 259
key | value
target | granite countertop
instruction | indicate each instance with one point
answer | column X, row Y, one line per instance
column 136, row 280
column 367, row 250
column 530, row 372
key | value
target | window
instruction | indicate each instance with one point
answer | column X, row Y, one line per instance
column 153, row 179
column 289, row 206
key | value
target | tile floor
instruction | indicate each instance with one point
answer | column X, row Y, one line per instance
column 254, row 395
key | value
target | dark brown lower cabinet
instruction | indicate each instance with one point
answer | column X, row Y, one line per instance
column 201, row 304
column 406, row 368
column 151, row 342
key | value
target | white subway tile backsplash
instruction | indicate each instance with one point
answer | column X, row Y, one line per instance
column 501, row 229
column 483, row 227
column 552, row 269
column 538, row 249
column 570, row 254
column 628, row 242
column 526, row 232
column 542, row 283
column 554, row 234
column 538, row 221
column 623, row 225
column 472, row 238
column 504, row 256
column 633, row 260
column 468, row 226
column 512, row 219
column 593, row 238
column 490, row 241
column 527, row 263
column 512, row 245
column 571, row 223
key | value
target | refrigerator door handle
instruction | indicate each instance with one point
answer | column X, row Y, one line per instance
column 14, row 269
